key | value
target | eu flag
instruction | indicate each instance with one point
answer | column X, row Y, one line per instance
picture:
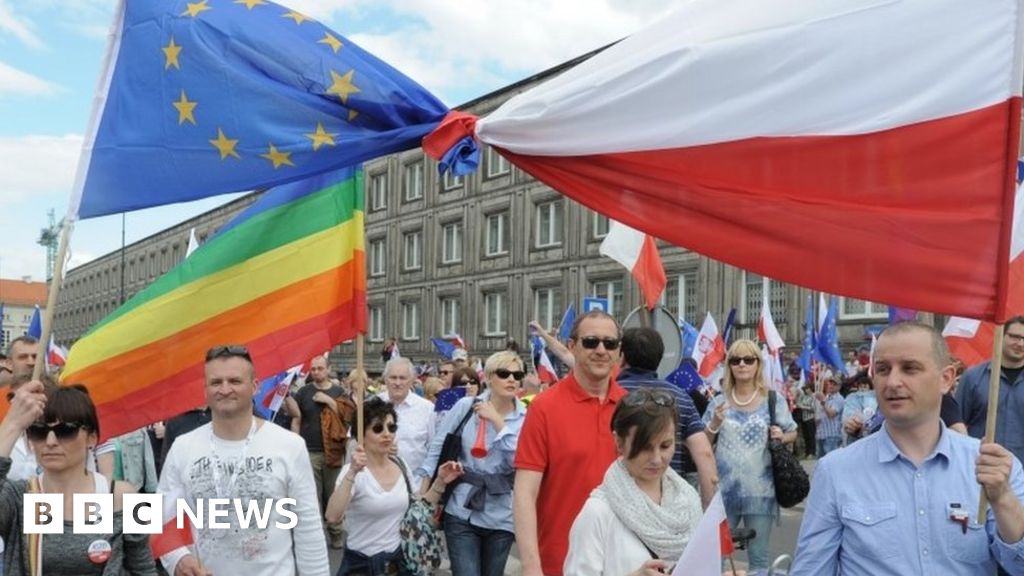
column 205, row 97
column 444, row 347
column 807, row 352
column 828, row 339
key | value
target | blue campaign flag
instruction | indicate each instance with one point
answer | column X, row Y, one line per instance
column 448, row 397
column 35, row 327
column 808, row 351
column 727, row 332
column 686, row 377
column 568, row 319
column 204, row 98
column 264, row 402
column 536, row 346
column 828, row 339
column 444, row 347
column 690, row 334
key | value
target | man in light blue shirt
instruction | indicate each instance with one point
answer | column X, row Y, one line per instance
column 859, row 407
column 904, row 501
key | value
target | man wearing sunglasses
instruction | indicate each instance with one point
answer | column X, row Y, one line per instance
column 566, row 445
column 249, row 462
column 642, row 349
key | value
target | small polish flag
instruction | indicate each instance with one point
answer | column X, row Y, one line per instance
column 711, row 541
column 545, row 369
column 172, row 537
column 710, row 349
column 638, row 252
column 55, row 355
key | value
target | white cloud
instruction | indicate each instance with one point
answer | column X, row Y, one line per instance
column 15, row 81
column 35, row 166
column 20, row 29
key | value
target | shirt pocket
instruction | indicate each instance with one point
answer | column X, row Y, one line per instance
column 970, row 547
column 871, row 529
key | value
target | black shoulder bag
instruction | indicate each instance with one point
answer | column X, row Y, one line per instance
column 451, row 449
column 791, row 482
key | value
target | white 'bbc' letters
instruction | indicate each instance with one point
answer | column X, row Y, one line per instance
column 92, row 513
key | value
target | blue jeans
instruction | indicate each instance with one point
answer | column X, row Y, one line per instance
column 826, row 445
column 757, row 548
column 476, row 551
column 386, row 563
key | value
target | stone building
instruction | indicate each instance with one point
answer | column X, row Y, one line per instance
column 19, row 299
column 479, row 256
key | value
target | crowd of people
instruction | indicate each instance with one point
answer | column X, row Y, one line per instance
column 605, row 472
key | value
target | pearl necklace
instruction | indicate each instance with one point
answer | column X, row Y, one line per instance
column 747, row 402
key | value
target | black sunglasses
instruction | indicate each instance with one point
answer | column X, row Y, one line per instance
column 748, row 360
column 228, row 351
column 378, row 428
column 63, row 431
column 591, row 342
column 444, row 372
column 504, row 373
column 645, row 395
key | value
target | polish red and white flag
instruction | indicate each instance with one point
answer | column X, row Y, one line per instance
column 638, row 252
column 709, row 351
column 710, row 543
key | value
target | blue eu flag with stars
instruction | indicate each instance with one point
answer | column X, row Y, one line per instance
column 206, row 97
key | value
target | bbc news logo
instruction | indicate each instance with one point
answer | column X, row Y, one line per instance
column 144, row 513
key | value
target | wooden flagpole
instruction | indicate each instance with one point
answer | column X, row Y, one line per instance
column 995, row 373
column 51, row 298
column 360, row 389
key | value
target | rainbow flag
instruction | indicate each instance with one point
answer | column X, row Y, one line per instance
column 287, row 278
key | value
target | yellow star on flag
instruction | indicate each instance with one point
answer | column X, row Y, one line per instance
column 321, row 137
column 171, row 52
column 331, row 41
column 277, row 158
column 250, row 4
column 299, row 18
column 194, row 8
column 342, row 85
column 185, row 109
column 225, row 145
column 352, row 115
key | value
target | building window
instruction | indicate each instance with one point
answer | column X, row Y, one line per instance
column 601, row 225
column 494, row 314
column 378, row 257
column 410, row 321
column 378, row 192
column 376, row 324
column 413, row 181
column 547, row 306
column 451, row 181
column 497, row 240
column 497, row 165
column 852, row 308
column 549, row 224
column 450, row 316
column 451, row 243
column 752, row 293
column 610, row 290
column 411, row 247
column 680, row 296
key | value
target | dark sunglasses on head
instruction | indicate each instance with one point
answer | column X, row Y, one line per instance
column 737, row 360
column 378, row 428
column 645, row 395
column 591, row 342
column 63, row 431
column 504, row 373
column 228, row 351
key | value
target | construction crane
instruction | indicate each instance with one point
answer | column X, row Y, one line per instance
column 49, row 238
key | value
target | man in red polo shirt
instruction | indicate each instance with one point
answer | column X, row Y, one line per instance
column 566, row 445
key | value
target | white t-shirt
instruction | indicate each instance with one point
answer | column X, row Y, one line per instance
column 601, row 545
column 276, row 466
column 373, row 513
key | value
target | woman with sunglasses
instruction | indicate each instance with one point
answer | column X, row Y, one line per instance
column 372, row 495
column 640, row 518
column 478, row 516
column 739, row 420
column 61, row 426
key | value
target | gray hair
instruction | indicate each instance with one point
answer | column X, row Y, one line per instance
column 396, row 362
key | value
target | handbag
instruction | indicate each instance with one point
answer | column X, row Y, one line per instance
column 451, row 450
column 422, row 544
column 791, row 482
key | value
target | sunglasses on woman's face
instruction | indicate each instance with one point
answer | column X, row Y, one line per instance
column 378, row 428
column 737, row 360
column 504, row 373
column 63, row 431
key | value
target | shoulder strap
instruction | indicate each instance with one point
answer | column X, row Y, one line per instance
column 405, row 475
column 771, row 407
column 462, row 424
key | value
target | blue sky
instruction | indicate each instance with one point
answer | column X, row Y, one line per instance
column 51, row 52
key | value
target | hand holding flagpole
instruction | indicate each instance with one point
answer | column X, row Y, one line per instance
column 995, row 371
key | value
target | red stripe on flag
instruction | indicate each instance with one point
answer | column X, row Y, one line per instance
column 649, row 272
column 171, row 538
column 789, row 207
column 725, row 539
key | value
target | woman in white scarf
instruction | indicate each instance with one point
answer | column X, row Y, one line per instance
column 639, row 520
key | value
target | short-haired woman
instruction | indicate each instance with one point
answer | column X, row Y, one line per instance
column 639, row 520
column 478, row 517
column 739, row 420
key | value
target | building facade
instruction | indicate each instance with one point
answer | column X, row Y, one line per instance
column 18, row 299
column 479, row 256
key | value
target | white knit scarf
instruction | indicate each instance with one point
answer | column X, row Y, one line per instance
column 664, row 528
